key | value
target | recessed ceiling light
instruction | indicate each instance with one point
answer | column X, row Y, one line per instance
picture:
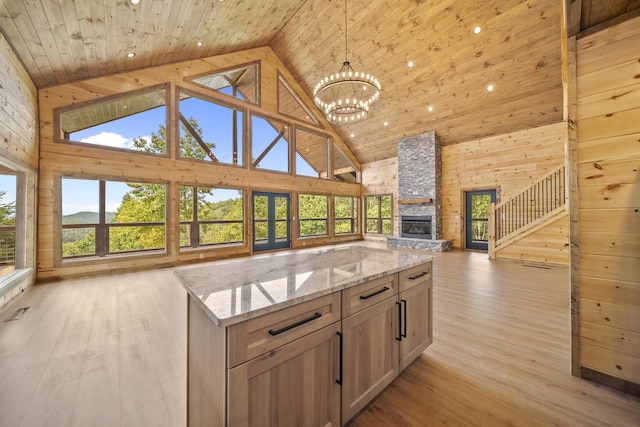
column 477, row 30
column 130, row 55
column 352, row 135
column 490, row 88
column 410, row 64
column 199, row 44
column 386, row 123
column 430, row 108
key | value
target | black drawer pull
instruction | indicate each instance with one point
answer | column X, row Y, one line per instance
column 424, row 273
column 339, row 381
column 399, row 337
column 374, row 294
column 302, row 322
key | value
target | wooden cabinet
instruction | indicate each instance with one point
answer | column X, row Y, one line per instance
column 294, row 385
column 316, row 363
column 370, row 355
column 417, row 330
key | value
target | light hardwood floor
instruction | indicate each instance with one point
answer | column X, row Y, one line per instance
column 110, row 351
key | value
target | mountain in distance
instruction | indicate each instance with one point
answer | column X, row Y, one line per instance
column 85, row 218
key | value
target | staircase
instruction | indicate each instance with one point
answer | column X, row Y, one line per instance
column 528, row 211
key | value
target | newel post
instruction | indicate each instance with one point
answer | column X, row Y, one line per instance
column 492, row 231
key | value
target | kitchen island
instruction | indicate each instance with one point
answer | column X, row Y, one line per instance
column 302, row 338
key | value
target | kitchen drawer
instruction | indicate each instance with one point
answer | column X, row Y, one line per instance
column 415, row 276
column 262, row 334
column 367, row 294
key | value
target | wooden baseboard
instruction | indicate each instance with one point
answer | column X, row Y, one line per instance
column 610, row 381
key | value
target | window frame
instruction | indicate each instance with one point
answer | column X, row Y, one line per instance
column 355, row 223
column 300, row 219
column 102, row 228
column 59, row 133
column 195, row 223
column 379, row 219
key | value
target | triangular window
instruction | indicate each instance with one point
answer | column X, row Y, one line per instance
column 241, row 83
column 291, row 105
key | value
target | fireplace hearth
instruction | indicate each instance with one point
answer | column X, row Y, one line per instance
column 416, row 227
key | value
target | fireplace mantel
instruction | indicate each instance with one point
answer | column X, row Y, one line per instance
column 415, row 201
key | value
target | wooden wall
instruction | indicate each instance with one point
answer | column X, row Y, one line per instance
column 84, row 161
column 19, row 152
column 508, row 163
column 608, row 134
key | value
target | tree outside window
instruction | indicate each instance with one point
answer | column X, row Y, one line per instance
column 312, row 214
column 378, row 215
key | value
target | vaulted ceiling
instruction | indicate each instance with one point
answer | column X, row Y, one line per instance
column 518, row 51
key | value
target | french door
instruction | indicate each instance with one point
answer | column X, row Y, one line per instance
column 271, row 221
column 477, row 218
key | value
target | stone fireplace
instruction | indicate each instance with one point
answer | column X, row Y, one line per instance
column 419, row 194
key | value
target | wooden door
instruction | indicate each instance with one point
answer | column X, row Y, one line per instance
column 416, row 329
column 370, row 354
column 294, row 385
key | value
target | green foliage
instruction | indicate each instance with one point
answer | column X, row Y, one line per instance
column 378, row 214
column 7, row 238
column 480, row 210
column 346, row 214
column 312, row 212
column 86, row 218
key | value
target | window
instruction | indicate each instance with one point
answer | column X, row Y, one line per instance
column 209, row 131
column 101, row 218
column 241, row 83
column 378, row 218
column 133, row 122
column 343, row 168
column 345, row 215
column 270, row 144
column 312, row 215
column 290, row 104
column 312, row 154
column 8, row 192
column 210, row 216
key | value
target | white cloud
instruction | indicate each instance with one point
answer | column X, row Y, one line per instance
column 109, row 139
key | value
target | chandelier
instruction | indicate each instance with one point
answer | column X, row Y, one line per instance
column 345, row 97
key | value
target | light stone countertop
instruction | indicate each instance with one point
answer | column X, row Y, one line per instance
column 232, row 291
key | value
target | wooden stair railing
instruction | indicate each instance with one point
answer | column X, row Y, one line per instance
column 543, row 201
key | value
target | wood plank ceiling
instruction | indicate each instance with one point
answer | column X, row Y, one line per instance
column 518, row 51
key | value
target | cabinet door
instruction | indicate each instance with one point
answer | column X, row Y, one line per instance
column 416, row 324
column 370, row 355
column 293, row 385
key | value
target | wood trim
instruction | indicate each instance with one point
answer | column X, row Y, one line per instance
column 571, row 181
column 415, row 201
column 608, row 24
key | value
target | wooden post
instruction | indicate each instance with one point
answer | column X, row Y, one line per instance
column 492, row 231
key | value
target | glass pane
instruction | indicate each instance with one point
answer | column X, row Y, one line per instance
column 185, row 235
column 135, row 202
column 480, row 231
column 133, row 122
column 289, row 104
column 260, row 216
column 346, row 214
column 312, row 212
column 218, row 204
column 269, row 144
column 78, row 241
column 282, row 215
column 312, row 154
column 135, row 238
column 385, row 206
column 186, row 203
column 241, row 83
column 343, row 169
column 8, row 188
column 221, row 233
column 209, row 131
column 480, row 205
column 371, row 208
column 386, row 226
column 372, row 226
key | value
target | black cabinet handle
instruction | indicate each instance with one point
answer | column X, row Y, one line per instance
column 339, row 380
column 404, row 302
column 302, row 322
column 424, row 273
column 374, row 294
column 399, row 337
